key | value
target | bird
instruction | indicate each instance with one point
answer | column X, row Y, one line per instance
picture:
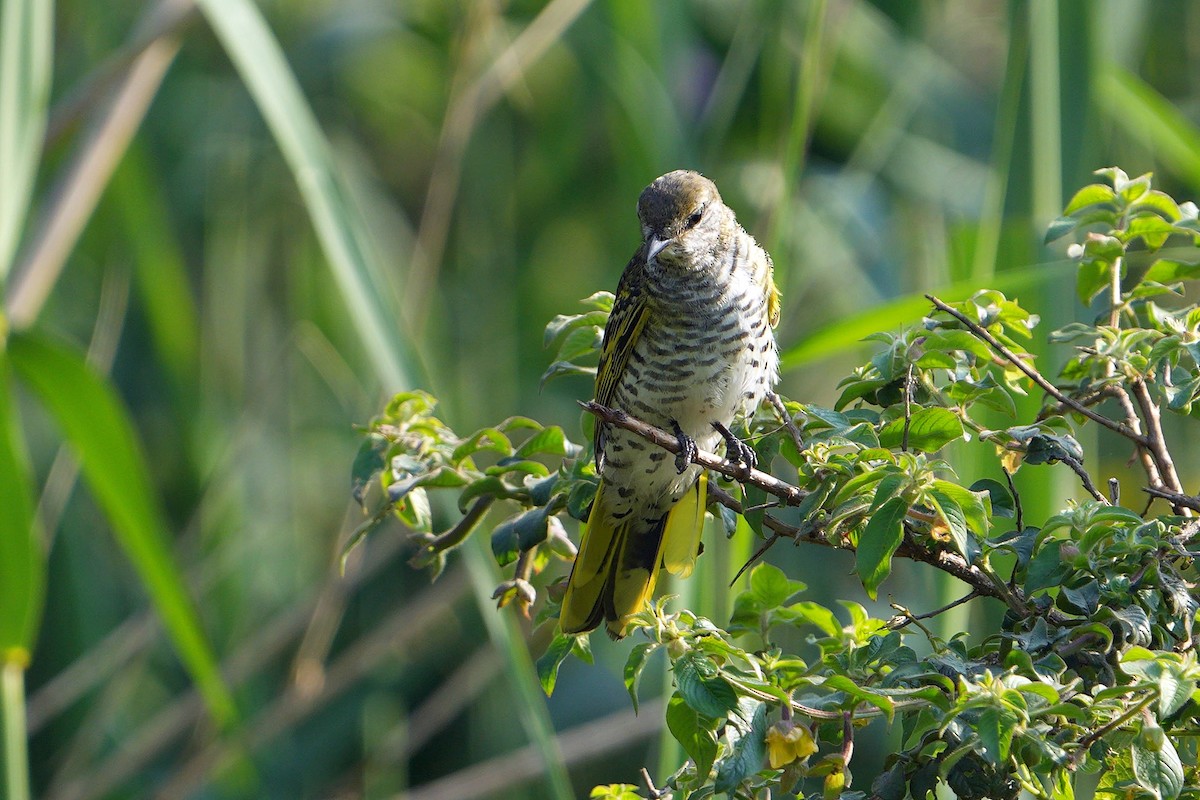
column 688, row 347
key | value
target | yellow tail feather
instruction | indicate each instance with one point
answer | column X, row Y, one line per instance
column 685, row 523
column 582, row 605
column 615, row 571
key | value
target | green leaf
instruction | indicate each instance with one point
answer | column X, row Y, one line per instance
column 489, row 484
column 161, row 269
column 860, row 694
column 560, row 368
column 547, row 666
column 1093, row 277
column 746, row 752
column 952, row 514
column 878, row 541
column 98, row 429
column 999, row 497
column 771, row 587
column 1167, row 271
column 1151, row 229
column 700, row 684
column 22, row 564
column 892, row 485
column 951, row 339
column 1158, row 769
column 368, row 463
column 633, row 669
column 550, row 440
column 1059, row 228
column 995, row 729
column 579, row 342
column 697, row 740
column 484, row 439
column 570, row 322
column 514, row 464
column 1045, row 448
column 1160, row 203
column 1090, row 195
column 518, row 533
column 929, row 430
column 973, row 504
column 816, row 615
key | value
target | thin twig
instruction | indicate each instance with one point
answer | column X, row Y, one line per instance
column 1156, row 443
column 759, row 553
column 1135, row 424
column 1018, row 512
column 907, row 407
column 1086, row 742
column 906, row 617
column 1085, row 479
column 813, row 530
column 1049, row 388
column 1174, row 498
column 788, row 423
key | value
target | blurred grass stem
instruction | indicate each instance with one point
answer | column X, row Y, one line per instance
column 470, row 102
column 74, row 198
column 16, row 758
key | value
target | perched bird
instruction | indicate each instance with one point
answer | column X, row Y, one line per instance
column 689, row 347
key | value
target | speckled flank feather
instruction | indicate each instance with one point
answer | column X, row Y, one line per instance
column 689, row 342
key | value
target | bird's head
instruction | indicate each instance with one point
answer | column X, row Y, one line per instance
column 682, row 217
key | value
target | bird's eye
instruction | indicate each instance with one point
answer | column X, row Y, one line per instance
column 694, row 219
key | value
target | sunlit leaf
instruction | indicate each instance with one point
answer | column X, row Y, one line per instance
column 878, row 541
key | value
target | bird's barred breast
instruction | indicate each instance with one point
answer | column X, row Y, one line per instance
column 707, row 354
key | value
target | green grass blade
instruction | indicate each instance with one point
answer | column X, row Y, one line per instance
column 848, row 333
column 340, row 227
column 161, row 274
column 1045, row 111
column 22, row 565
column 97, row 426
column 1153, row 120
column 26, row 53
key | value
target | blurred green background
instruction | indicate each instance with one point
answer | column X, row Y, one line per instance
column 486, row 159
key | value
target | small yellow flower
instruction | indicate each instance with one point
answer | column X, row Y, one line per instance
column 788, row 742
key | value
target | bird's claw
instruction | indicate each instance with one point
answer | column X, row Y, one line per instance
column 736, row 450
column 687, row 448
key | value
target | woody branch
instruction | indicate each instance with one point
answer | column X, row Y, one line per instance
column 813, row 531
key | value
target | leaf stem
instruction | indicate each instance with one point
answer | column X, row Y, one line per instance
column 1099, row 733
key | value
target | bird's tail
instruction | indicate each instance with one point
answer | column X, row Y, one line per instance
column 618, row 563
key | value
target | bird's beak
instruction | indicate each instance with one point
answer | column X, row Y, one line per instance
column 656, row 246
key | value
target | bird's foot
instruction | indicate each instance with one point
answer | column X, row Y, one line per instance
column 687, row 447
column 736, row 450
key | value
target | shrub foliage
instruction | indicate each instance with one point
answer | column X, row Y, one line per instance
column 1092, row 669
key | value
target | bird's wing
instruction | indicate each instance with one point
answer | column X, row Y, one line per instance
column 625, row 324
